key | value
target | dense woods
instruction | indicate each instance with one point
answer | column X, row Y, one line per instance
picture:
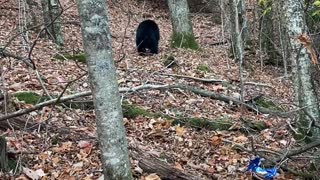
column 143, row 89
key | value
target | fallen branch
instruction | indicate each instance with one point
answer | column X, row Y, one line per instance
column 198, row 91
column 43, row 104
column 301, row 149
column 194, row 78
column 257, row 84
column 4, row 53
column 162, row 169
column 213, row 80
column 18, row 123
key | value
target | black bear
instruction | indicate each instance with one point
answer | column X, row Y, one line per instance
column 147, row 37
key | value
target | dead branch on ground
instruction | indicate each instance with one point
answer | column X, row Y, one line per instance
column 201, row 92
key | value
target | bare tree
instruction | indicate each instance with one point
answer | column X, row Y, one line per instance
column 104, row 86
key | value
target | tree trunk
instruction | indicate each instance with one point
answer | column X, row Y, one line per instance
column 33, row 19
column 215, row 5
column 46, row 14
column 104, row 86
column 56, row 12
column 280, row 36
column 238, row 28
column 206, row 6
column 3, row 155
column 51, row 17
column 305, row 95
column 225, row 18
column 182, row 36
column 266, row 32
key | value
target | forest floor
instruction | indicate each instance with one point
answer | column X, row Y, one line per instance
column 67, row 148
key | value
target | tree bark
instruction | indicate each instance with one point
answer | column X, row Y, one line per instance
column 281, row 38
column 182, row 36
column 104, row 86
column 238, row 28
column 266, row 32
column 3, row 155
column 51, row 17
column 56, row 26
column 305, row 95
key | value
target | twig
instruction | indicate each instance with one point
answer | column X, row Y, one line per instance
column 257, row 84
column 42, row 84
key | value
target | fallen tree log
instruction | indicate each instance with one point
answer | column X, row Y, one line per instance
column 162, row 169
column 199, row 91
column 18, row 123
column 15, row 123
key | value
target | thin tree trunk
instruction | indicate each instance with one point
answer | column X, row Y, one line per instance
column 238, row 28
column 51, row 11
column 281, row 37
column 56, row 26
column 266, row 33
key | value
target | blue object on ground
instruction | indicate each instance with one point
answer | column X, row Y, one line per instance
column 267, row 173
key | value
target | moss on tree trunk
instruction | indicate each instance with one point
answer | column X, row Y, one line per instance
column 184, row 40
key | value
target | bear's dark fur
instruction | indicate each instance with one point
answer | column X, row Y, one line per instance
column 147, row 37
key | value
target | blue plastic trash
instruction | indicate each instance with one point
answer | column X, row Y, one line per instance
column 266, row 173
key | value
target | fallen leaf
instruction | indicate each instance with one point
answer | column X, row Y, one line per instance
column 66, row 176
column 85, row 84
column 101, row 177
column 216, row 140
column 283, row 142
column 153, row 176
column 84, row 144
column 122, row 80
column 86, row 147
column 55, row 160
column 66, row 146
column 30, row 173
column 43, row 156
column 241, row 139
column 16, row 86
column 218, row 88
column 178, row 166
column 77, row 166
column 87, row 178
column 40, row 172
column 180, row 131
column 61, row 79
